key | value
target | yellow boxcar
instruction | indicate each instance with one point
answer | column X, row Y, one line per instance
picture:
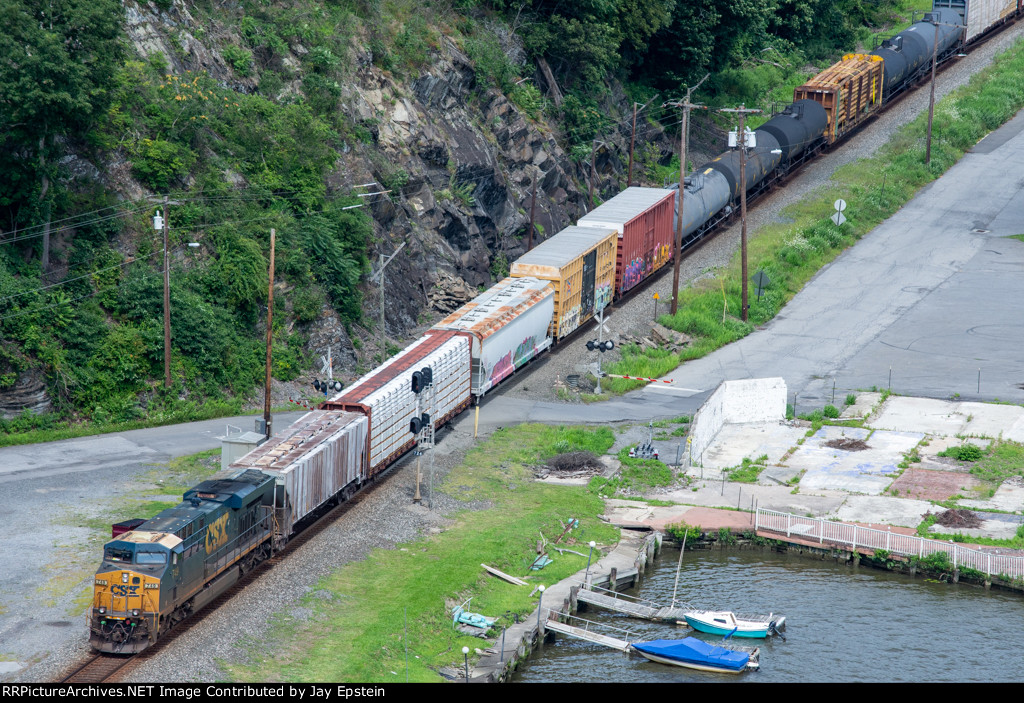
column 850, row 91
column 580, row 263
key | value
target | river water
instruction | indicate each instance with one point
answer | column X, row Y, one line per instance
column 843, row 623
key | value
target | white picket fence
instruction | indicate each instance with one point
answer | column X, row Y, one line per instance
column 853, row 537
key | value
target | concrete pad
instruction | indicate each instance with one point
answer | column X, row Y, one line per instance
column 777, row 475
column 734, row 443
column 941, row 444
column 885, row 510
column 1009, row 497
column 934, row 417
column 629, row 513
column 1016, row 432
column 863, row 407
column 868, row 471
column 989, row 420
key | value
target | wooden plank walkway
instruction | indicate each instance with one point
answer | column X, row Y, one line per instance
column 645, row 610
column 589, row 636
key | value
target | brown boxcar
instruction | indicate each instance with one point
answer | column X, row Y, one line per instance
column 643, row 219
column 850, row 91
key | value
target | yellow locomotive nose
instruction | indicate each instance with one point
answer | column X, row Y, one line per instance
column 125, row 606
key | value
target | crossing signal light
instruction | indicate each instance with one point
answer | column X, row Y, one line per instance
column 594, row 345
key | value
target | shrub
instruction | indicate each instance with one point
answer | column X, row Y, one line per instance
column 831, row 411
column 964, row 452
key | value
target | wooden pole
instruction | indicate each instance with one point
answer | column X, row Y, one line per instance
column 683, row 139
column 931, row 99
column 533, row 209
column 743, row 210
column 632, row 141
column 270, row 333
column 167, row 299
column 593, row 154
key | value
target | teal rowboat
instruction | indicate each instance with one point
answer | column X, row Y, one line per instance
column 725, row 622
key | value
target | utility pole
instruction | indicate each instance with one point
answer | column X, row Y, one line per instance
column 533, row 209
column 590, row 193
column 931, row 99
column 632, row 139
column 167, row 300
column 684, row 133
column 380, row 278
column 270, row 332
column 742, row 144
column 161, row 221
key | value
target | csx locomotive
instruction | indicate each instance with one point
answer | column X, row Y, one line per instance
column 156, row 575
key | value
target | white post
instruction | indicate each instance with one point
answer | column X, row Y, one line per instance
column 855, row 538
column 789, row 523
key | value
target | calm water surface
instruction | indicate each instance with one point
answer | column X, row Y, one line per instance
column 843, row 623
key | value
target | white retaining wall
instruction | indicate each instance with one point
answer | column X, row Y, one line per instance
column 748, row 400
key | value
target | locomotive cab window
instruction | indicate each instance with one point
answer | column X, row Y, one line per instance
column 116, row 554
column 150, row 558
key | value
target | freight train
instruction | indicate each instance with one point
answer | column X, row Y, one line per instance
column 161, row 570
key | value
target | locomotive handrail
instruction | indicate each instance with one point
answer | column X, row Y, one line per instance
column 233, row 550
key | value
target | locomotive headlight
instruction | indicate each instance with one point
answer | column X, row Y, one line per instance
column 124, row 577
column 102, row 610
column 135, row 613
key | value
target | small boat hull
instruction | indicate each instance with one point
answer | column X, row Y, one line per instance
column 725, row 623
column 692, row 653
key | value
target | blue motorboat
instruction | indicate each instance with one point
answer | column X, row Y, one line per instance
column 693, row 653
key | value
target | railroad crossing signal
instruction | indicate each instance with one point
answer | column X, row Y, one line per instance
column 594, row 345
column 326, row 387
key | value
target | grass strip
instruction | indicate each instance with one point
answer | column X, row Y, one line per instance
column 874, row 188
column 357, row 629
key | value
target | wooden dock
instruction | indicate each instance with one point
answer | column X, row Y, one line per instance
column 634, row 607
column 589, row 631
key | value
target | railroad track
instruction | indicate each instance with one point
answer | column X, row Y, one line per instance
column 99, row 668
column 105, row 668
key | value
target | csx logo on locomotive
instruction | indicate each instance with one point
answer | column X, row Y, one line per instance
column 124, row 590
column 216, row 535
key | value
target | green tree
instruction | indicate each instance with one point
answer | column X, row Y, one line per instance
column 56, row 60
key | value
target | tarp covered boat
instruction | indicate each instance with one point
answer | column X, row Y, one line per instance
column 693, row 653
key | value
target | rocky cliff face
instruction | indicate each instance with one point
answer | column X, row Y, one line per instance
column 459, row 159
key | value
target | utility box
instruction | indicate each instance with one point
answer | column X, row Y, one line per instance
column 234, row 447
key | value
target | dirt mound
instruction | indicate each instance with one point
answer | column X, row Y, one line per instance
column 958, row 518
column 850, row 445
column 571, row 465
